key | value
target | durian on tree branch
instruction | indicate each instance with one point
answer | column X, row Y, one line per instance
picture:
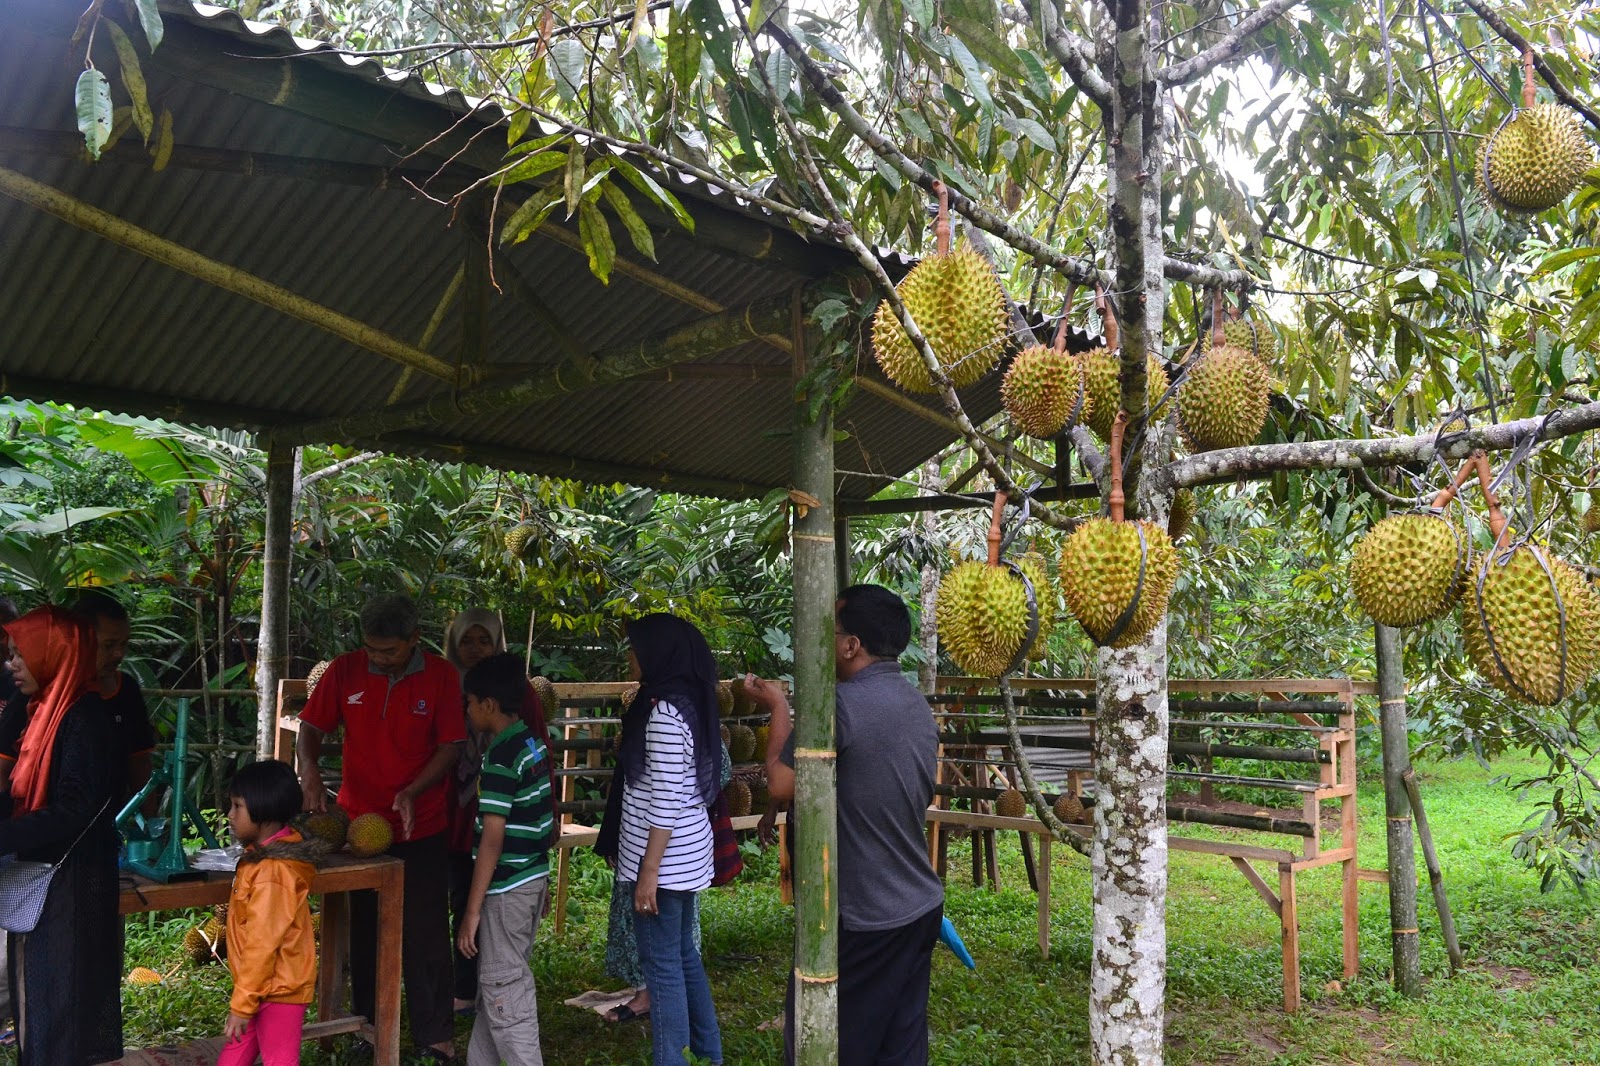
column 1350, row 454
column 1230, row 46
column 1520, row 43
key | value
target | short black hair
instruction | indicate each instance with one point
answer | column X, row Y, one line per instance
column 500, row 678
column 876, row 617
column 269, row 789
column 8, row 610
column 93, row 604
column 392, row 616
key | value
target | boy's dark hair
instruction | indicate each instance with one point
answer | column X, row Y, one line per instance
column 876, row 617
column 499, row 678
column 269, row 789
column 392, row 616
column 93, row 604
column 8, row 610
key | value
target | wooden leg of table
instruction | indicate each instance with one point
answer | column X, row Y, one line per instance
column 1026, row 839
column 335, row 949
column 1044, row 897
column 1351, row 918
column 562, row 873
column 1291, row 938
column 991, row 840
column 785, row 871
column 391, row 921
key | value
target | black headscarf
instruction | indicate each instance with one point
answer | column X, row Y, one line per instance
column 676, row 667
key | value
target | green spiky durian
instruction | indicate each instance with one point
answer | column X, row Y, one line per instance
column 1069, row 808
column 1254, row 335
column 314, row 675
column 1046, row 598
column 763, row 734
column 1041, row 389
column 741, row 742
column 1181, row 517
column 1222, row 403
column 517, row 537
column 1408, row 569
column 1591, row 519
column 1535, row 160
column 738, row 796
column 725, row 701
column 759, row 796
column 742, row 703
column 369, row 835
column 982, row 615
column 1011, row 804
column 1100, row 574
column 1516, row 600
column 1100, row 370
column 328, row 827
column 546, row 691
column 143, row 975
column 957, row 303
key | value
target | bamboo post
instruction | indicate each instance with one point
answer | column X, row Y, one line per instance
column 1402, row 859
column 272, row 652
column 1447, row 921
column 816, row 957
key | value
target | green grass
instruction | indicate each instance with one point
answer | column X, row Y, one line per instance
column 1526, row 996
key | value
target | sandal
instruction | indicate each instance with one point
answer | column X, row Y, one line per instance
column 8, row 1035
column 624, row 1013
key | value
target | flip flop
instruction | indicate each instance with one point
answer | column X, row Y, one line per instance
column 624, row 1013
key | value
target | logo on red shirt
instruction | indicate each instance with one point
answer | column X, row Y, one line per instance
column 421, row 708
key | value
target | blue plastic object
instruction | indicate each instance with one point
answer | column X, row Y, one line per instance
column 952, row 940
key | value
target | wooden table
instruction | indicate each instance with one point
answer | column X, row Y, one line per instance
column 342, row 874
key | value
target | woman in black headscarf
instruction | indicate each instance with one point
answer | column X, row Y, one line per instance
column 670, row 771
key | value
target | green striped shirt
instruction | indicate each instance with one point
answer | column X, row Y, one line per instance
column 515, row 785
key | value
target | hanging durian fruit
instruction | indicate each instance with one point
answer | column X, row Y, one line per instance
column 956, row 301
column 1537, row 156
column 1411, row 568
column 517, row 537
column 1181, row 517
column 1252, row 333
column 1101, row 370
column 1117, row 576
column 982, row 610
column 1044, row 390
column 1222, row 402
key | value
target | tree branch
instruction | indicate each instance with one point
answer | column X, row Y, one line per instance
column 1071, row 51
column 451, row 47
column 1226, row 463
column 1520, row 43
column 334, row 468
column 1069, row 266
column 1230, row 45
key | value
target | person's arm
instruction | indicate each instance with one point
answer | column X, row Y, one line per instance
column 443, row 761
column 491, row 842
column 308, row 750
column 768, row 695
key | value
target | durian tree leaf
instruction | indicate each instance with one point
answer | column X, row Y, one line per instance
column 638, row 231
column 652, row 189
column 93, row 99
column 533, row 166
column 572, row 177
column 150, row 22
column 132, row 78
column 595, row 233
column 530, row 216
column 161, row 151
column 571, row 63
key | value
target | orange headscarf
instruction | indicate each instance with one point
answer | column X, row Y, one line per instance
column 58, row 649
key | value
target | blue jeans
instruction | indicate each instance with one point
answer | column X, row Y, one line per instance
column 681, row 1012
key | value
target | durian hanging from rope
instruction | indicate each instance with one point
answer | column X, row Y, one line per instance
column 1537, row 156
column 1116, row 576
column 1530, row 622
column 1102, row 374
column 982, row 610
column 1253, row 333
column 1044, row 390
column 1222, row 401
column 1410, row 568
column 956, row 302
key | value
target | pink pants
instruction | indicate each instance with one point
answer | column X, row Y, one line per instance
column 274, row 1034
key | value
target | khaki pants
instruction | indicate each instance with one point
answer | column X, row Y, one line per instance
column 507, row 1028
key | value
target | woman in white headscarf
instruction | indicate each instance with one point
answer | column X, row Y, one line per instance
column 474, row 635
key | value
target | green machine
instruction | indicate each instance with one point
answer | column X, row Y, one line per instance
column 154, row 845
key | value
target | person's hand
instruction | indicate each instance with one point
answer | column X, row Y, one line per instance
column 313, row 793
column 233, row 1029
column 644, row 894
column 767, row 694
column 767, row 828
column 467, row 935
column 405, row 804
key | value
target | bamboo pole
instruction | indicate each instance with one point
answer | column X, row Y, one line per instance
column 1447, row 921
column 816, row 966
column 1402, row 860
column 272, row 655
column 681, row 344
column 91, row 219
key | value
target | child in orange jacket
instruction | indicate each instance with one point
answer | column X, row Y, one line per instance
column 272, row 948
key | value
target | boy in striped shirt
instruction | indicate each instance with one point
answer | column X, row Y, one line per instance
column 510, row 867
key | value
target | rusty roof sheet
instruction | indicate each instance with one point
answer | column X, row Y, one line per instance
column 87, row 321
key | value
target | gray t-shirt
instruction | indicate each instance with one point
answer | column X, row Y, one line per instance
column 887, row 745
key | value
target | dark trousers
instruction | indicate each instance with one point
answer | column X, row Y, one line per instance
column 883, row 994
column 424, row 942
column 465, row 970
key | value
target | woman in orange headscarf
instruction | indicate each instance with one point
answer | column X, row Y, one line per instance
column 65, row 975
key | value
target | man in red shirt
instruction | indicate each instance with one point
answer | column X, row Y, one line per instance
column 402, row 716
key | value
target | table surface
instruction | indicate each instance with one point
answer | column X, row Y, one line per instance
column 339, row 872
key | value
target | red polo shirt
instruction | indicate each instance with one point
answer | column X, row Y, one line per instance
column 391, row 730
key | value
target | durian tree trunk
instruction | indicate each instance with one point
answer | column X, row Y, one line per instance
column 272, row 643
column 1397, row 806
column 1128, row 970
column 816, row 955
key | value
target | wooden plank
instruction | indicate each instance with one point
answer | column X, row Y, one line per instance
column 1259, row 885
column 1228, row 849
column 1350, row 917
column 1327, row 858
column 1044, row 896
column 321, row 1030
column 391, row 920
column 1377, row 876
column 332, row 954
column 1302, row 685
column 1290, row 919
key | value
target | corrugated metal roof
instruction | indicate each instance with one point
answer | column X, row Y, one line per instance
column 84, row 320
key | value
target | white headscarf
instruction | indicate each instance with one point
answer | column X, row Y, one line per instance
column 471, row 760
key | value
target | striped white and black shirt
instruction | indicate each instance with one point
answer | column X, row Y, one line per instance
column 667, row 799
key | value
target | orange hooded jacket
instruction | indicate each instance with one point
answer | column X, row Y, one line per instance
column 272, row 948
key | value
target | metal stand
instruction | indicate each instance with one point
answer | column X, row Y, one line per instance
column 155, row 845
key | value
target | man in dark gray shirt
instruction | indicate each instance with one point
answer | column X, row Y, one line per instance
column 891, row 903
